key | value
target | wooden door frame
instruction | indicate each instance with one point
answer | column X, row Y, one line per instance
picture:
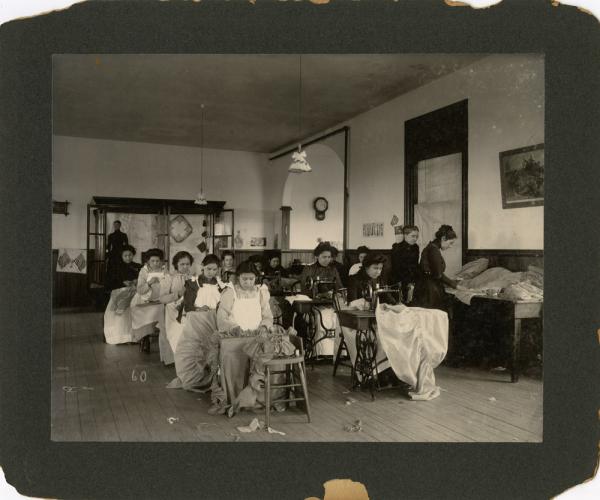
column 414, row 152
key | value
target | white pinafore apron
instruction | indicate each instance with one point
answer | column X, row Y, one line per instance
column 246, row 311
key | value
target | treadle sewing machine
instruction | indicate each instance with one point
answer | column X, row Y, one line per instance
column 321, row 291
column 365, row 370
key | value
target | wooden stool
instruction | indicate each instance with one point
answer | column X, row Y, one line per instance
column 288, row 363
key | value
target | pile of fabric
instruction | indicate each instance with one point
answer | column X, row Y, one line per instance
column 499, row 282
column 523, row 291
column 262, row 348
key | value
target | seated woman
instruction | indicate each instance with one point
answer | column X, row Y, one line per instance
column 197, row 348
column 227, row 270
column 362, row 253
column 244, row 311
column 147, row 312
column 410, row 341
column 429, row 289
column 405, row 262
column 274, row 267
column 171, row 294
column 360, row 291
column 278, row 281
column 121, row 282
column 319, row 271
column 257, row 262
column 341, row 268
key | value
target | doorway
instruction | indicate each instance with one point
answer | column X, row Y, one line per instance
column 436, row 166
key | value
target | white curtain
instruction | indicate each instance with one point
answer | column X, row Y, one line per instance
column 440, row 202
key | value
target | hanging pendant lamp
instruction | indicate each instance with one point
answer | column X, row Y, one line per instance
column 201, row 199
column 299, row 161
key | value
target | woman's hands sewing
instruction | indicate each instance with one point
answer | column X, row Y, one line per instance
column 152, row 281
column 204, row 309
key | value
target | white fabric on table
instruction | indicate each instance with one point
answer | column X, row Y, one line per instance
column 415, row 341
column 144, row 315
column 117, row 327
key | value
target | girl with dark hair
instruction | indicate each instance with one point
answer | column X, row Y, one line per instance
column 429, row 289
column 274, row 267
column 244, row 307
column 405, row 262
column 369, row 278
column 227, row 269
column 197, row 347
column 125, row 271
column 171, row 293
column 147, row 312
column 321, row 269
column 117, row 317
column 362, row 253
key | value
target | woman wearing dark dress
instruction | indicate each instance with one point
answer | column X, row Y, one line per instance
column 125, row 271
column 274, row 267
column 405, row 262
column 369, row 278
column 321, row 269
column 429, row 289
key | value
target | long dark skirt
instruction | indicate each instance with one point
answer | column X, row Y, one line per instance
column 430, row 294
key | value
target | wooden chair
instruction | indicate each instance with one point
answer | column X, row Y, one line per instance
column 342, row 351
column 286, row 365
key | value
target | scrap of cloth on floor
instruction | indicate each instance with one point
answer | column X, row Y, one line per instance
column 415, row 341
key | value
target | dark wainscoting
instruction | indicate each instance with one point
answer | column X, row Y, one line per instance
column 68, row 289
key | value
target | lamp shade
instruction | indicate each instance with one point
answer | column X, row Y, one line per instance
column 299, row 163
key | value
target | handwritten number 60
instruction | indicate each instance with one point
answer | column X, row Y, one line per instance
column 142, row 378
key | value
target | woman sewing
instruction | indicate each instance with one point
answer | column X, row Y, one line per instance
column 196, row 351
column 369, row 279
column 429, row 289
column 117, row 317
column 321, row 270
column 147, row 312
column 320, row 280
column 172, row 289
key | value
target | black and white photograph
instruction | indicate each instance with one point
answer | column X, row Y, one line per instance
column 222, row 269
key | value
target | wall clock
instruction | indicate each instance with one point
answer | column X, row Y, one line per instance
column 320, row 205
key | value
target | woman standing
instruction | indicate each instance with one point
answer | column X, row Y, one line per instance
column 405, row 262
column 429, row 289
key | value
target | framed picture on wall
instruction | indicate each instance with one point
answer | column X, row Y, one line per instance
column 522, row 177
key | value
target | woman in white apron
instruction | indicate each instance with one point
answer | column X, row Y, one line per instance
column 117, row 317
column 147, row 312
column 197, row 347
column 244, row 311
column 171, row 294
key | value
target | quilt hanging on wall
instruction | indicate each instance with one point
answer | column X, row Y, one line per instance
column 71, row 260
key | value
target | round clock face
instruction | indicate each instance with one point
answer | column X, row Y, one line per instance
column 321, row 204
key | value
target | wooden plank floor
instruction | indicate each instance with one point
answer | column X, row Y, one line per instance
column 119, row 395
